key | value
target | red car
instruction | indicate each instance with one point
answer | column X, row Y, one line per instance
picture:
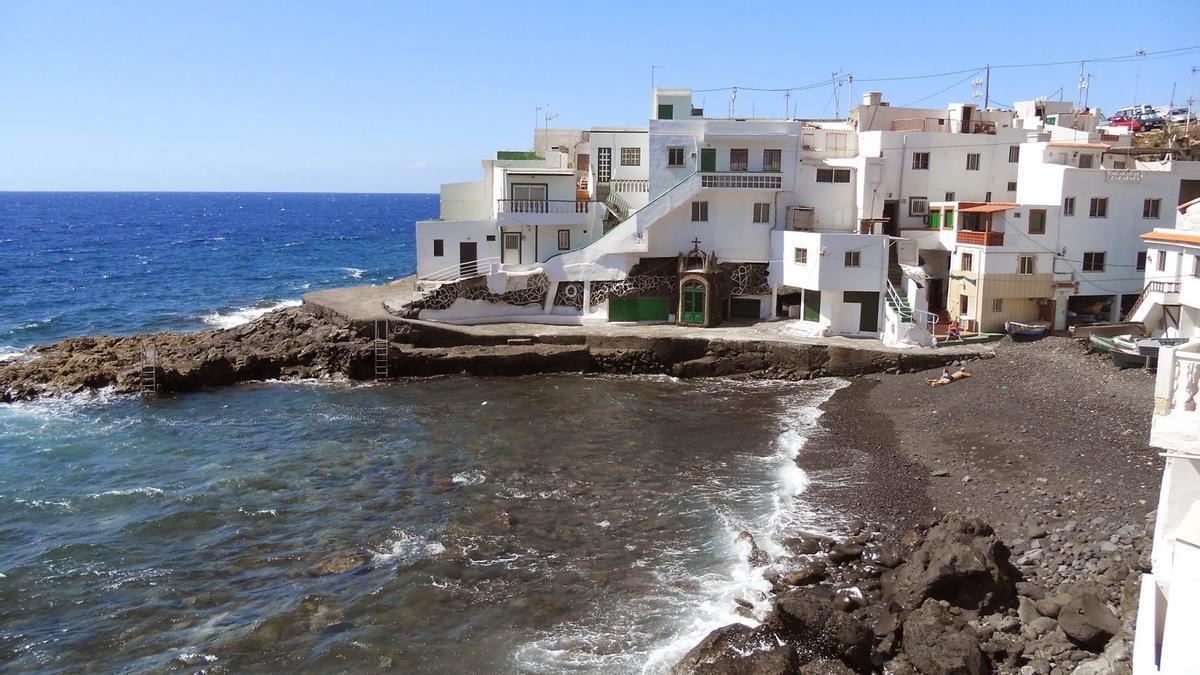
column 1123, row 121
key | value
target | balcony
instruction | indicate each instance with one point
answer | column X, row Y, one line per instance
column 980, row 238
column 742, row 180
column 1176, row 423
column 629, row 185
column 542, row 211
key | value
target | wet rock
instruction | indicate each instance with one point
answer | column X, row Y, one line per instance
column 808, row 573
column 845, row 552
column 757, row 557
column 339, row 563
column 938, row 643
column 962, row 562
column 884, row 556
column 847, row 599
column 1088, row 622
column 825, row 667
column 738, row 650
column 814, row 624
column 806, row 544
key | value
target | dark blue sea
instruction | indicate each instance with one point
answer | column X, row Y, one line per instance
column 525, row 525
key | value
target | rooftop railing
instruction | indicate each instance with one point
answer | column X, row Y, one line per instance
column 741, row 179
column 542, row 206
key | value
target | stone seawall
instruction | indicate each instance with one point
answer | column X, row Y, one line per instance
column 299, row 343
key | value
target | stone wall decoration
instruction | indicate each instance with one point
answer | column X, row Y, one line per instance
column 749, row 278
column 536, row 288
column 570, row 294
column 645, row 284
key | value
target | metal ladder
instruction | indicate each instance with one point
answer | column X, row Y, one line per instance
column 382, row 345
column 148, row 373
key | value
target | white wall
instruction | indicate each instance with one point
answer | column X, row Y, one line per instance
column 452, row 233
column 730, row 232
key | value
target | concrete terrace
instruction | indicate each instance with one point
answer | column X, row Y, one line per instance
column 363, row 305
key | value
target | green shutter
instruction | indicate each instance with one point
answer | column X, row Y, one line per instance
column 666, row 111
column 652, row 309
column 868, row 317
column 622, row 309
column 935, row 219
column 812, row 305
column 708, row 159
column 949, row 220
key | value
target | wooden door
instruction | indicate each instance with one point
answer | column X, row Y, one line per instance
column 708, row 159
column 467, row 255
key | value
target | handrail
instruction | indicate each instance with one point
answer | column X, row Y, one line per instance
column 908, row 313
column 1152, row 287
column 642, row 208
column 542, row 205
column 454, row 272
column 617, row 205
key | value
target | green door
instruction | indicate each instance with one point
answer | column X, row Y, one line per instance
column 693, row 302
column 868, row 301
column 708, row 159
column 622, row 309
column 652, row 309
column 812, row 305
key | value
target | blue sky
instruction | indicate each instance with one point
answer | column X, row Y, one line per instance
column 387, row 97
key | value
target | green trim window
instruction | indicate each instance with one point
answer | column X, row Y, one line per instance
column 1037, row 221
column 935, row 220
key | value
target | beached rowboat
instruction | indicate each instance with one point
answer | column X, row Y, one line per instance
column 1019, row 330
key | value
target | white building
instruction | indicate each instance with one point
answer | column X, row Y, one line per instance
column 874, row 225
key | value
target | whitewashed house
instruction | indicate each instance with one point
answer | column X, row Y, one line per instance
column 876, row 225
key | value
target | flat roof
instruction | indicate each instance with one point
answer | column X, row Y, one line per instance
column 619, row 130
column 541, row 172
column 1074, row 144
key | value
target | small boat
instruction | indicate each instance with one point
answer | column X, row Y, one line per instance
column 1125, row 353
column 1149, row 347
column 1019, row 330
column 1101, row 344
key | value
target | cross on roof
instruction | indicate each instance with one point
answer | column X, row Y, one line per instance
column 696, row 242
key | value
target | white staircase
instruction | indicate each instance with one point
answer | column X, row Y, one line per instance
column 904, row 325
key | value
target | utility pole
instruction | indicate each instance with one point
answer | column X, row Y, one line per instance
column 537, row 116
column 849, row 93
column 1138, row 75
column 1087, row 90
column 987, row 84
column 787, row 104
column 837, row 98
column 1191, row 100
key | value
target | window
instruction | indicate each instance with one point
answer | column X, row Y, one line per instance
column 1162, row 262
column 833, row 175
column 603, row 165
column 1093, row 261
column 962, row 305
column 1012, row 186
column 528, row 197
column 949, row 196
column 972, row 161
column 851, row 259
column 1086, row 160
column 1014, row 154
column 997, row 305
column 1037, row 221
column 439, row 248
column 1098, row 207
column 631, row 156
column 1141, row 261
column 675, row 156
column 801, row 256
column 762, row 212
column 987, row 197
column 1118, row 164
column 966, row 262
column 918, row 206
column 564, row 240
column 739, row 160
column 1150, row 208
column 1026, row 264
column 920, row 161
column 699, row 212
column 772, row 160
column 1068, row 206
column 491, row 237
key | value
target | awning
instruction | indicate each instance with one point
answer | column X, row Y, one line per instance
column 1177, row 236
column 914, row 272
column 1081, row 146
column 987, row 208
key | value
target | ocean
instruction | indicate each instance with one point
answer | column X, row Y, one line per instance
column 537, row 524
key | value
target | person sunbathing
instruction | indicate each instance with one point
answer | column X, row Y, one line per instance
column 946, row 377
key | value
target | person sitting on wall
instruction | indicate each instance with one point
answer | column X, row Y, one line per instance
column 954, row 332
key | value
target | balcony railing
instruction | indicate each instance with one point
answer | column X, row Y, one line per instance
column 1123, row 176
column 742, row 179
column 1163, row 286
column 980, row 238
column 542, row 206
column 630, row 185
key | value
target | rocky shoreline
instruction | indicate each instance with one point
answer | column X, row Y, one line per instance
column 1040, row 459
column 299, row 342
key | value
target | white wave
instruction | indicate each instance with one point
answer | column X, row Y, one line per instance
column 353, row 272
column 236, row 317
column 402, row 548
column 471, row 477
column 10, row 353
column 147, row 491
column 194, row 659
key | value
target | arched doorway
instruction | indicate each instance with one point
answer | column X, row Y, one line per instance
column 693, row 302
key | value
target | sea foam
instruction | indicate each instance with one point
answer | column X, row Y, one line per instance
column 231, row 318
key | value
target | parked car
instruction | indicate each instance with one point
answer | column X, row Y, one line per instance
column 1150, row 120
column 1124, row 121
column 1175, row 115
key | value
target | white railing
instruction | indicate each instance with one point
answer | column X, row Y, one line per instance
column 1178, row 379
column 461, row 271
column 741, row 179
column 630, row 185
column 1123, row 176
column 542, row 206
column 906, row 313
